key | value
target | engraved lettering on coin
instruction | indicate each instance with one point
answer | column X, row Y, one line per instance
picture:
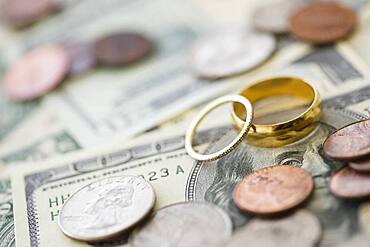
column 193, row 224
column 350, row 142
column 37, row 73
column 106, row 208
column 229, row 53
column 273, row 189
column 82, row 57
column 300, row 229
column 348, row 183
column 122, row 48
column 321, row 23
column 361, row 165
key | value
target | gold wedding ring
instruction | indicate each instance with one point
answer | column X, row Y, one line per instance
column 244, row 127
column 286, row 132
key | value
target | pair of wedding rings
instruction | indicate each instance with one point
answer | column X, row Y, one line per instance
column 262, row 135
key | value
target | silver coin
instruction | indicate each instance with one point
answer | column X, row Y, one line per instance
column 229, row 53
column 274, row 17
column 193, row 224
column 106, row 208
column 360, row 240
column 300, row 229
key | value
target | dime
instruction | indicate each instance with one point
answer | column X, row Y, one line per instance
column 359, row 240
column 122, row 48
column 105, row 208
column 350, row 142
column 360, row 166
column 300, row 229
column 322, row 23
column 37, row 73
column 364, row 217
column 193, row 224
column 348, row 183
column 273, row 189
column 82, row 57
column 274, row 17
column 229, row 53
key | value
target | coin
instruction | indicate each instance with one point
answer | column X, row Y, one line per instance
column 37, row 73
column 229, row 53
column 82, row 57
column 300, row 229
column 359, row 240
column 350, row 142
column 122, row 48
column 195, row 224
column 273, row 189
column 348, row 183
column 21, row 13
column 360, row 166
column 322, row 23
column 105, row 208
column 274, row 17
column 364, row 216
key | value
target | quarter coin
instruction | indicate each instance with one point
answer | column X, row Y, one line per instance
column 273, row 189
column 105, row 208
column 348, row 183
column 360, row 166
column 322, row 23
column 230, row 53
column 350, row 142
column 37, row 73
column 300, row 229
column 122, row 48
column 82, row 57
column 195, row 224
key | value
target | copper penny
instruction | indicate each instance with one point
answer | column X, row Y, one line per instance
column 361, row 165
column 348, row 183
column 82, row 57
column 37, row 73
column 122, row 49
column 21, row 13
column 350, row 142
column 322, row 23
column 273, row 189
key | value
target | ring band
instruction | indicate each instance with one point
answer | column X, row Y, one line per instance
column 286, row 132
column 203, row 113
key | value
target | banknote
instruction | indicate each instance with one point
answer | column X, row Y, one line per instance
column 7, row 234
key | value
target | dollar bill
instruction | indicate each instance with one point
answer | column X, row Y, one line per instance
column 7, row 234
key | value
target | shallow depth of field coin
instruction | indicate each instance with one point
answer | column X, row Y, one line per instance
column 364, row 216
column 361, row 165
column 229, row 53
column 193, row 224
column 273, row 189
column 350, row 142
column 105, row 208
column 82, row 57
column 348, row 183
column 359, row 240
column 122, row 48
column 322, row 23
column 299, row 229
column 37, row 73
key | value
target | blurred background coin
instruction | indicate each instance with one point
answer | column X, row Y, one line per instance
column 273, row 189
column 299, row 229
column 350, row 142
column 107, row 207
column 122, row 48
column 359, row 240
column 323, row 22
column 347, row 183
column 364, row 217
column 274, row 17
column 82, row 57
column 22, row 13
column 37, row 73
column 230, row 53
column 184, row 224
column 361, row 165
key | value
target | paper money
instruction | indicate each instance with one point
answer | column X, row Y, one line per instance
column 7, row 234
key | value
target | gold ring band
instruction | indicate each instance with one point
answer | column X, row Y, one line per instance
column 286, row 132
column 203, row 113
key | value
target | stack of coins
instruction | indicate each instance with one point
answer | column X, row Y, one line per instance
column 45, row 67
column 351, row 144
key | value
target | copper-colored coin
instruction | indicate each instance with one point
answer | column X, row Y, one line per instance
column 322, row 23
column 361, row 165
column 348, row 183
column 21, row 13
column 82, row 57
column 38, row 72
column 122, row 49
column 350, row 142
column 273, row 189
